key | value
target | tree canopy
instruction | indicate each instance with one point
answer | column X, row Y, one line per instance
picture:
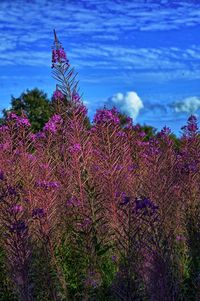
column 35, row 105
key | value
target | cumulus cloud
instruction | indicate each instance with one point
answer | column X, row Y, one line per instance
column 129, row 103
column 187, row 105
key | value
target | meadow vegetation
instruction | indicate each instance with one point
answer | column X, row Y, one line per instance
column 97, row 212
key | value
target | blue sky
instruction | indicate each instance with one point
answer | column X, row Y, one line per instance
column 143, row 56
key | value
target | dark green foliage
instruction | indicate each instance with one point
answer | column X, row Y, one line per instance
column 122, row 118
column 176, row 141
column 150, row 131
column 192, row 283
column 36, row 106
column 6, row 289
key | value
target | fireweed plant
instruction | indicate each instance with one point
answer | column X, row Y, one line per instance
column 97, row 213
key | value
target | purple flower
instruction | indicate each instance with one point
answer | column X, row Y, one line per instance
column 31, row 157
column 18, row 227
column 12, row 191
column 146, row 205
column 133, row 167
column 58, row 95
column 107, row 116
column 50, row 127
column 190, row 167
column 180, row 238
column 58, row 54
column 32, row 136
column 12, row 116
column 24, row 121
column 1, row 175
column 81, row 109
column 75, row 148
column 117, row 194
column 16, row 208
column 4, row 128
column 93, row 130
column 46, row 185
column 142, row 134
column 4, row 146
column 129, row 120
column 121, row 134
column 38, row 213
column 75, row 96
column 137, row 127
column 20, row 121
column 125, row 199
column 73, row 201
column 114, row 258
column 85, row 223
column 26, row 200
column 191, row 129
column 53, row 123
column 53, row 184
column 40, row 135
column 119, row 167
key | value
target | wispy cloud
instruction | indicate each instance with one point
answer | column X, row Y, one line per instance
column 92, row 31
column 187, row 105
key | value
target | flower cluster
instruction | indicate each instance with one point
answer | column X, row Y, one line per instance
column 133, row 167
column 16, row 209
column 145, row 205
column 3, row 128
column 121, row 134
column 75, row 96
column 18, row 227
column 58, row 95
column 59, row 56
column 38, row 213
column 129, row 123
column 86, row 222
column 191, row 128
column 53, row 124
column 58, row 53
column 4, row 146
column 189, row 167
column 75, row 148
column 164, row 132
column 125, row 199
column 80, row 107
column 73, row 201
column 38, row 135
column 19, row 121
column 106, row 116
column 1, row 175
column 47, row 185
column 11, row 191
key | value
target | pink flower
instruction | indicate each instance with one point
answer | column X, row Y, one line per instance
column 53, row 123
column 180, row 238
column 20, row 121
column 58, row 95
column 75, row 148
column 16, row 209
column 58, row 53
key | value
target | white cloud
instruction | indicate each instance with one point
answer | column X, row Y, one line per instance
column 129, row 103
column 187, row 105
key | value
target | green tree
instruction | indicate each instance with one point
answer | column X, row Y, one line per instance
column 35, row 105
column 150, row 131
column 38, row 108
